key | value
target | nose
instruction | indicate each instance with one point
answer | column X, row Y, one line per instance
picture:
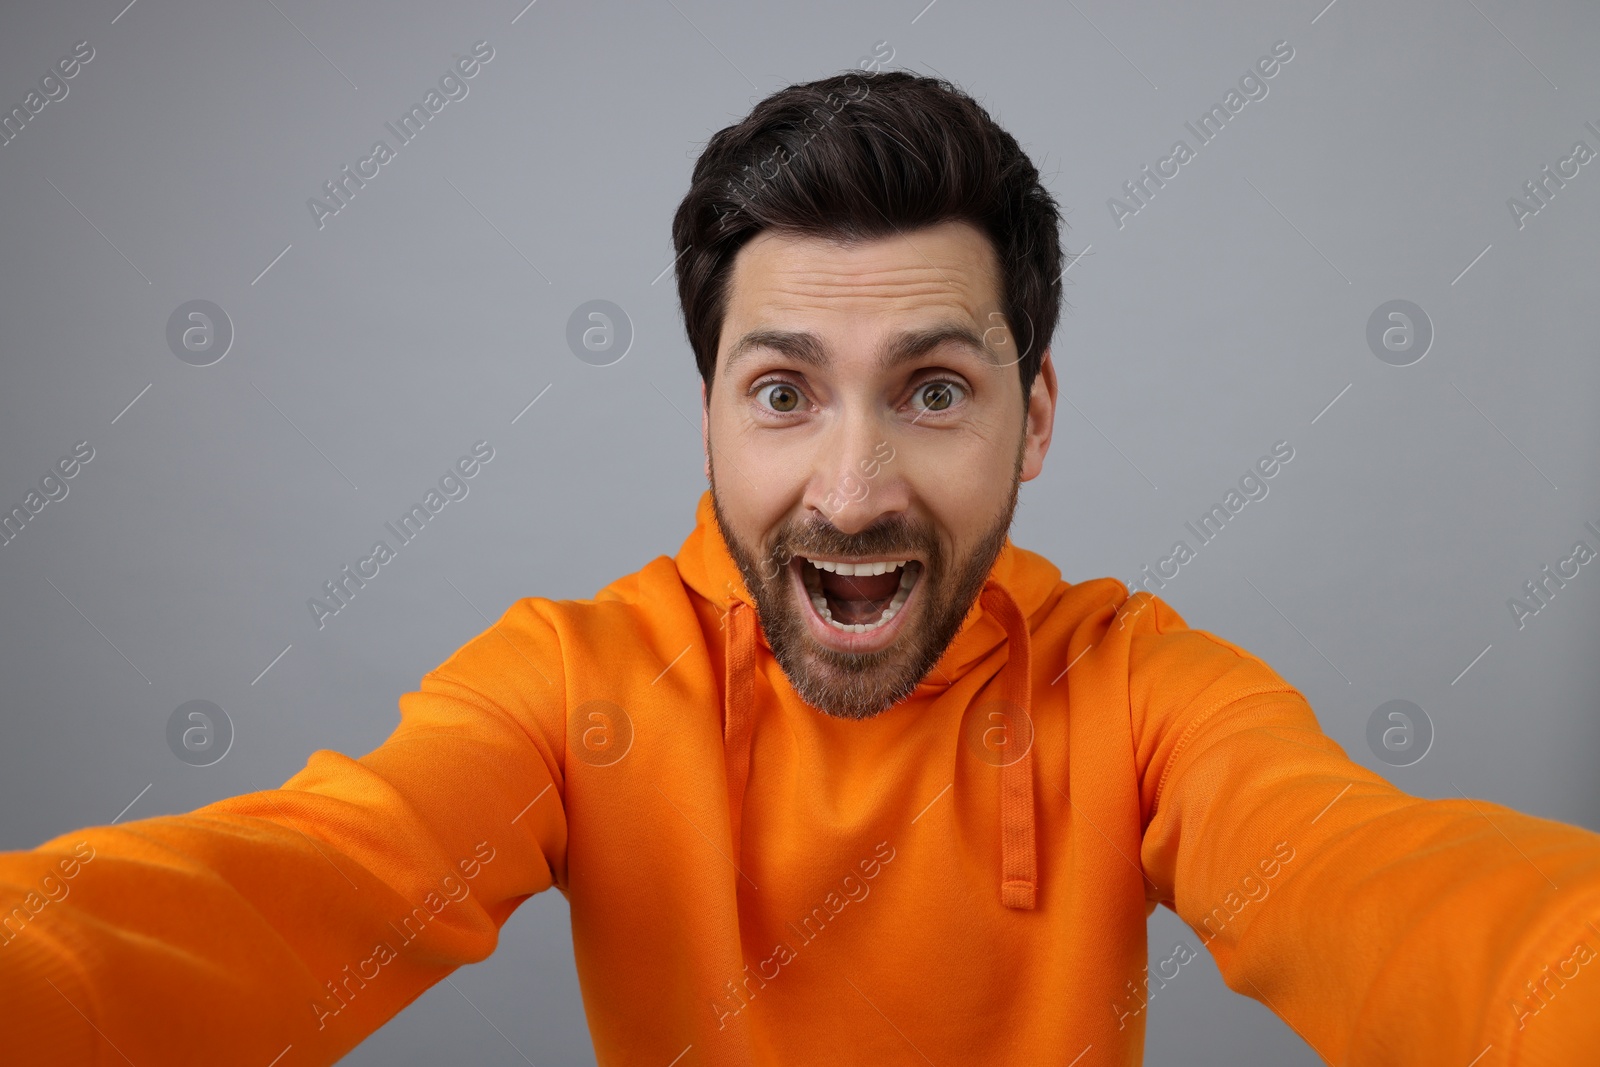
column 854, row 480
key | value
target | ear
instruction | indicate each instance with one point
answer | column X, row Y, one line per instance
column 705, row 428
column 1041, row 418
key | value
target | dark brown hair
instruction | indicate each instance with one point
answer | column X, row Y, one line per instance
column 862, row 155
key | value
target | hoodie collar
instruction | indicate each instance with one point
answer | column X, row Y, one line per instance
column 1018, row 585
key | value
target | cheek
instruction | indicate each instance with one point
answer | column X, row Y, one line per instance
column 959, row 473
column 758, row 477
column 964, row 478
column 961, row 494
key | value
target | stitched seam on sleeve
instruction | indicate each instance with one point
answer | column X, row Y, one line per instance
column 491, row 707
column 1196, row 724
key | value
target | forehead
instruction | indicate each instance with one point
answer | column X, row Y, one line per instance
column 783, row 279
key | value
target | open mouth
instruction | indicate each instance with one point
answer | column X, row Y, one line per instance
column 861, row 596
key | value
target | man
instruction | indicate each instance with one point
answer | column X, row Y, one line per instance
column 852, row 778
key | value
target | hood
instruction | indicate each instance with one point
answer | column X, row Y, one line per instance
column 1019, row 584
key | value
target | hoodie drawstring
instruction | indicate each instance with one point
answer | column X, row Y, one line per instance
column 739, row 694
column 1019, row 865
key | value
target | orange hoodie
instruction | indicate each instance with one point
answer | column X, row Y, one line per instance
column 963, row 879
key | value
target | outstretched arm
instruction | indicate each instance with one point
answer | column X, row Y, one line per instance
column 1384, row 928
column 304, row 916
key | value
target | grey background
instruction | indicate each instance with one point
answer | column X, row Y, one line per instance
column 1226, row 315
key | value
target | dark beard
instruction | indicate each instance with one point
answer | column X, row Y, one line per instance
column 858, row 686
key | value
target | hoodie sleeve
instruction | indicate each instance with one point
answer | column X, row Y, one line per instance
column 1382, row 927
column 306, row 916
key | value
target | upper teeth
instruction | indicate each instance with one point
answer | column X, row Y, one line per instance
column 880, row 567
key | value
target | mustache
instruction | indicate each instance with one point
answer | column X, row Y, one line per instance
column 897, row 536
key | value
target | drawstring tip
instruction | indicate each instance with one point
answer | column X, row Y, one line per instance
column 1015, row 894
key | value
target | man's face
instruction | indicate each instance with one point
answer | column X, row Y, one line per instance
column 867, row 415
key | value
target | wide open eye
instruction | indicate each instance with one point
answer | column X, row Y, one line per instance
column 781, row 397
column 939, row 394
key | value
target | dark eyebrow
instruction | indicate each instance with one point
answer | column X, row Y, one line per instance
column 807, row 348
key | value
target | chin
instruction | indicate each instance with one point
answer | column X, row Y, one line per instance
column 857, row 672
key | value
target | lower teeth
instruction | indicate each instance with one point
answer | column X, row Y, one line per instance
column 820, row 602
